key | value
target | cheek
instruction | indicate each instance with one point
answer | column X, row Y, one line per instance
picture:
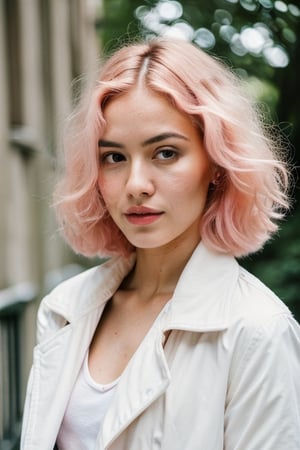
column 104, row 191
column 195, row 181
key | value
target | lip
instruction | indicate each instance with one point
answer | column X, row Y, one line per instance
column 142, row 215
column 142, row 210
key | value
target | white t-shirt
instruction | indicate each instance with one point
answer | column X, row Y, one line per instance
column 85, row 412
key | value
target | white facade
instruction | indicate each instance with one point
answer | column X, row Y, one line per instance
column 44, row 45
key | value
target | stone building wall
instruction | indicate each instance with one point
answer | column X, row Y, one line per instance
column 44, row 45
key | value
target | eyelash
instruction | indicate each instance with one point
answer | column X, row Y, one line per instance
column 105, row 156
column 171, row 154
column 167, row 150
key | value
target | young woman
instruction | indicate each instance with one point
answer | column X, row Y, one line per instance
column 170, row 344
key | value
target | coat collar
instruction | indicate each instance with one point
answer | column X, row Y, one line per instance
column 82, row 294
column 200, row 301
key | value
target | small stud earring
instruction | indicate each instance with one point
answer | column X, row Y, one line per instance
column 215, row 181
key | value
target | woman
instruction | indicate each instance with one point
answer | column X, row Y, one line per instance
column 170, row 344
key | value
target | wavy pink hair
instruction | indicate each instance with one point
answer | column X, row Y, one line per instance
column 251, row 191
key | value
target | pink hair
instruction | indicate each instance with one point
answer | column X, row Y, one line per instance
column 250, row 193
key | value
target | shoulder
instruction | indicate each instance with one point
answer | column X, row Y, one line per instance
column 254, row 301
column 262, row 327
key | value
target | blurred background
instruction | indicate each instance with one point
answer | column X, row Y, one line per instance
column 45, row 45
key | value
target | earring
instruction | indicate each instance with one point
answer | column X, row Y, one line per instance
column 216, row 180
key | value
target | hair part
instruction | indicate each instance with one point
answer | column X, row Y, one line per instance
column 250, row 193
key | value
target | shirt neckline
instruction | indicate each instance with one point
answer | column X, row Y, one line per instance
column 92, row 383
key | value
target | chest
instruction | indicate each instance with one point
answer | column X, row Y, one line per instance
column 123, row 326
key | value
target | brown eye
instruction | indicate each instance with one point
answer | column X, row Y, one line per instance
column 112, row 158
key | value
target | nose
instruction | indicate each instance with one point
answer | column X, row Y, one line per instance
column 139, row 181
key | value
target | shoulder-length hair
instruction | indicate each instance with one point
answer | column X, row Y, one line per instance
column 250, row 192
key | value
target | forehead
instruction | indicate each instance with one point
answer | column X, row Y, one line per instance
column 138, row 97
column 142, row 109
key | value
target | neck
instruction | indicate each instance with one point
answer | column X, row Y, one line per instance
column 157, row 270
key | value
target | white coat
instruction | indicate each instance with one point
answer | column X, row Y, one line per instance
column 227, row 378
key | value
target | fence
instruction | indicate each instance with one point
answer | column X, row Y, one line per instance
column 13, row 303
column 16, row 347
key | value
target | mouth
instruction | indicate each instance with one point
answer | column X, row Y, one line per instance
column 142, row 215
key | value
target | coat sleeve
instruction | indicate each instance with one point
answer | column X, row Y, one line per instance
column 263, row 399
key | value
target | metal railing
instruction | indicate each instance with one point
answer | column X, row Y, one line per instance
column 13, row 302
column 13, row 335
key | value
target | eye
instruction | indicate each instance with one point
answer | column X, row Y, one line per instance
column 112, row 158
column 166, row 154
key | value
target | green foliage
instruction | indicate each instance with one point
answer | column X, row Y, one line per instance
column 256, row 35
column 259, row 39
column 278, row 265
column 119, row 24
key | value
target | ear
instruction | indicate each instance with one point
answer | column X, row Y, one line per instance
column 216, row 176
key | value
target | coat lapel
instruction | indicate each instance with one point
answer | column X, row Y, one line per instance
column 57, row 363
column 145, row 378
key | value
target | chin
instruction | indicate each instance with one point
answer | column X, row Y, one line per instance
column 149, row 244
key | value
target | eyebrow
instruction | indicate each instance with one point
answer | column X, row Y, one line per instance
column 104, row 143
column 162, row 137
column 152, row 140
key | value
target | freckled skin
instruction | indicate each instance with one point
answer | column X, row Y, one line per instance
column 170, row 175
